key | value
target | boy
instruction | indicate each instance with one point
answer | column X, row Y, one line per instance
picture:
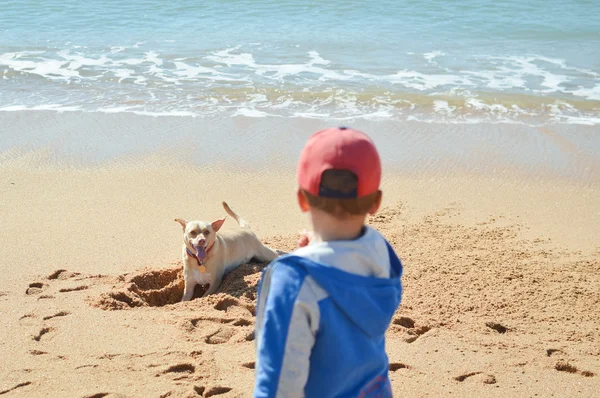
column 322, row 311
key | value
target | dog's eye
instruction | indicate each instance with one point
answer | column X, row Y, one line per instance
column 193, row 234
column 205, row 232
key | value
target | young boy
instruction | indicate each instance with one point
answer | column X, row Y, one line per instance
column 323, row 310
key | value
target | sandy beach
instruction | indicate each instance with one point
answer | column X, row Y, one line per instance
column 500, row 240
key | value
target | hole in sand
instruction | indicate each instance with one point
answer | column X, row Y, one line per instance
column 148, row 289
column 155, row 280
column 98, row 395
column 199, row 390
column 587, row 373
column 250, row 336
column 249, row 365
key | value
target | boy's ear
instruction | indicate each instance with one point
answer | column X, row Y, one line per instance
column 303, row 201
column 376, row 204
column 182, row 222
column 216, row 225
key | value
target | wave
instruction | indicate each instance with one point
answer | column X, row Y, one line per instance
column 245, row 81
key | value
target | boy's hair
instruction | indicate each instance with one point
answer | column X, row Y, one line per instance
column 339, row 172
column 345, row 182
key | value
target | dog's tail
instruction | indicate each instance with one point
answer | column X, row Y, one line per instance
column 243, row 223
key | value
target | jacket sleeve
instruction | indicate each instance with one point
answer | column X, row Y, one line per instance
column 286, row 324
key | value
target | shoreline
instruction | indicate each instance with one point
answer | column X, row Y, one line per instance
column 83, row 140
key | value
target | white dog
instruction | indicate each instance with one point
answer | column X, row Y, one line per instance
column 208, row 255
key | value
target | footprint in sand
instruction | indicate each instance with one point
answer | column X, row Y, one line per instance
column 35, row 288
column 394, row 366
column 477, row 377
column 62, row 274
column 416, row 333
column 24, row 384
column 465, row 376
column 73, row 289
column 210, row 392
column 218, row 390
column 238, row 329
column 405, row 322
column 179, row 371
column 413, row 331
column 249, row 365
column 497, row 327
column 42, row 333
column 232, row 305
column 563, row 366
column 58, row 314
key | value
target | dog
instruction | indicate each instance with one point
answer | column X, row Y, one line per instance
column 208, row 255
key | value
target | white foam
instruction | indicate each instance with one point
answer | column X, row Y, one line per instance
column 45, row 67
column 500, row 79
column 316, row 59
column 443, row 107
column 47, row 107
column 592, row 93
column 226, row 57
column 278, row 71
column 422, row 82
column 251, row 112
column 432, row 55
column 482, row 106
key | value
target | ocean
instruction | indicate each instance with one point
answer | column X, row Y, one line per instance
column 442, row 61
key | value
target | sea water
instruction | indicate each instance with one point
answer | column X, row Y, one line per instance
column 443, row 61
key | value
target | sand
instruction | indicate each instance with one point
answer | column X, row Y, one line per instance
column 502, row 279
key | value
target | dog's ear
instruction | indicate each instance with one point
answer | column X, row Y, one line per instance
column 216, row 225
column 182, row 222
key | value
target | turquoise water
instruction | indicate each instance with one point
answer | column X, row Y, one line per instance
column 535, row 62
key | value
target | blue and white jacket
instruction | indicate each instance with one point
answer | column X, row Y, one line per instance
column 322, row 313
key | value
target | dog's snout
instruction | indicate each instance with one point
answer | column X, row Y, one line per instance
column 201, row 241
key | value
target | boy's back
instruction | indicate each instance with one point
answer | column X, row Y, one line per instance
column 322, row 314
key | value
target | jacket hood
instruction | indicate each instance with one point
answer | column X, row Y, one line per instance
column 369, row 302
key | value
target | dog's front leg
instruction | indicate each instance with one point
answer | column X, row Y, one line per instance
column 215, row 282
column 188, row 289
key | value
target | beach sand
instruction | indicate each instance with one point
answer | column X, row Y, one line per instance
column 501, row 268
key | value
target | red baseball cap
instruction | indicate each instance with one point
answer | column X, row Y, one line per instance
column 339, row 148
